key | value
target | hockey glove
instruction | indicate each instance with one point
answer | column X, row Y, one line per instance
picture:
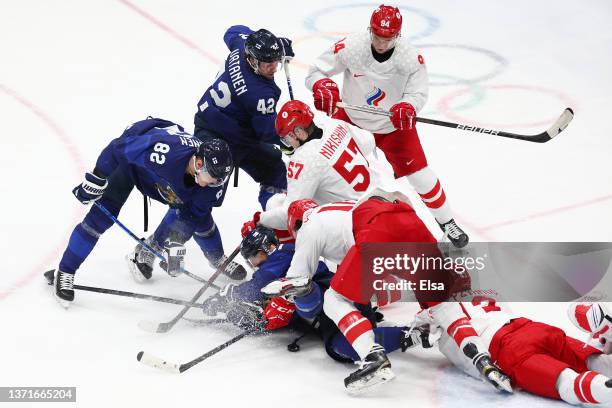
column 326, row 95
column 246, row 316
column 175, row 254
column 220, row 302
column 278, row 313
column 287, row 48
column 91, row 189
column 250, row 225
column 402, row 115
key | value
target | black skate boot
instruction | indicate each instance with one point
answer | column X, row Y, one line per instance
column 455, row 234
column 233, row 270
column 64, row 288
column 140, row 261
column 488, row 369
column 375, row 369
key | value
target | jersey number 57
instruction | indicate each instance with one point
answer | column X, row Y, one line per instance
column 349, row 168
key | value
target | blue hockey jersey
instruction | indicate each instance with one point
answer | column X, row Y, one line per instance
column 155, row 154
column 240, row 105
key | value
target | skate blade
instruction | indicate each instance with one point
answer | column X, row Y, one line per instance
column 502, row 383
column 64, row 303
column 136, row 275
column 367, row 384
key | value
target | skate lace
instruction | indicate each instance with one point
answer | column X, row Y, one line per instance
column 66, row 281
column 452, row 229
column 364, row 363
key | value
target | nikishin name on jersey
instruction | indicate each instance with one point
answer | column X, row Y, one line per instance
column 233, row 67
column 478, row 129
column 333, row 141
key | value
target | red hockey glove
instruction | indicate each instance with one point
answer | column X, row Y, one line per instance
column 402, row 115
column 278, row 313
column 326, row 95
column 250, row 225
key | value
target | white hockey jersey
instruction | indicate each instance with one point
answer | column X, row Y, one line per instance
column 487, row 317
column 332, row 168
column 402, row 78
column 327, row 231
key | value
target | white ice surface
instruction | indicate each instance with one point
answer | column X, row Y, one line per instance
column 73, row 74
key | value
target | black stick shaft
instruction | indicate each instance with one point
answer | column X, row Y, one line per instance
column 166, row 326
column 217, row 349
column 137, row 295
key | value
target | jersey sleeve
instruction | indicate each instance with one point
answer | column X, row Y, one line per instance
column 108, row 159
column 235, row 36
column 326, row 65
column 416, row 90
column 308, row 249
column 303, row 178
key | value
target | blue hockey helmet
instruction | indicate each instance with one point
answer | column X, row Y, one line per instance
column 263, row 46
column 260, row 239
column 217, row 159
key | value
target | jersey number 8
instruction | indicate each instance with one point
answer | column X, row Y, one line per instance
column 160, row 149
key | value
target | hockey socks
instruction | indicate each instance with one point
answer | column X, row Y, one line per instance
column 426, row 183
column 588, row 387
column 351, row 323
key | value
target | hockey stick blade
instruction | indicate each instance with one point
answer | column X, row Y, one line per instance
column 561, row 123
column 156, row 362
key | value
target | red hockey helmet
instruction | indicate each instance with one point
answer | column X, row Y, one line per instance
column 293, row 113
column 386, row 21
column 295, row 214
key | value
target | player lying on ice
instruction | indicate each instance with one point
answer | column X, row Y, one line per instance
column 381, row 69
column 336, row 232
column 243, row 304
column 540, row 358
column 165, row 163
column 240, row 108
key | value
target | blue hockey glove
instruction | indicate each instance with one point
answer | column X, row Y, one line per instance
column 91, row 189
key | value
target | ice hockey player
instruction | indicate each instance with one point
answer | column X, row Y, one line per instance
column 241, row 303
column 240, row 106
column 328, row 164
column 336, row 232
column 540, row 358
column 165, row 163
column 382, row 70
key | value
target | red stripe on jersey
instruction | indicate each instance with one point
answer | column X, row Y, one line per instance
column 581, row 316
column 439, row 202
column 460, row 329
column 335, row 207
column 465, row 310
column 577, row 390
column 432, row 193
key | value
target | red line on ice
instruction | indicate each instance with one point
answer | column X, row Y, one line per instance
column 169, row 30
column 546, row 213
column 79, row 167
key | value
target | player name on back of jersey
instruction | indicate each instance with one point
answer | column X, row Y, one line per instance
column 190, row 141
column 233, row 67
column 333, row 141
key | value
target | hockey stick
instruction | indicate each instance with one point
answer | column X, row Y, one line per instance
column 143, row 243
column 156, row 362
column 49, row 275
column 288, row 76
column 556, row 128
column 166, row 326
